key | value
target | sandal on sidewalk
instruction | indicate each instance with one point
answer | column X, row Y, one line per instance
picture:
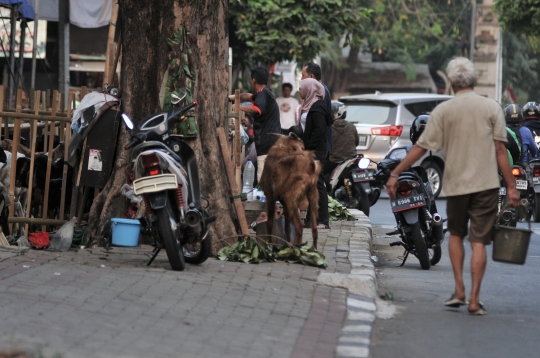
column 322, row 227
column 454, row 302
column 479, row 312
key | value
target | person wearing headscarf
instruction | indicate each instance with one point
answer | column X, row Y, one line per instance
column 313, row 114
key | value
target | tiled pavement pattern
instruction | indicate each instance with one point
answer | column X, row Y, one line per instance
column 106, row 303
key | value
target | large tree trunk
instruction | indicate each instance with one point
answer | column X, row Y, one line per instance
column 146, row 25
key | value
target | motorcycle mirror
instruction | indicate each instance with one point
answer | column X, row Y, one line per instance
column 364, row 163
column 178, row 95
column 127, row 121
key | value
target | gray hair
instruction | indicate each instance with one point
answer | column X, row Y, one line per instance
column 461, row 72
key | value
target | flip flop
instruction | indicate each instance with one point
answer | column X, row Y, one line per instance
column 454, row 302
column 322, row 227
column 479, row 312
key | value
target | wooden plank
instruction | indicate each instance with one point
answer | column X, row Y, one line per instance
column 2, row 92
column 15, row 143
column 240, row 214
column 109, row 60
column 3, row 240
column 37, row 221
column 83, row 92
column 36, row 117
column 49, row 160
column 33, row 139
column 65, row 172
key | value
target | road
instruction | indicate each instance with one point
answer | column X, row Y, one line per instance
column 423, row 327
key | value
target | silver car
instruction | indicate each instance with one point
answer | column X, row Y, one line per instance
column 383, row 122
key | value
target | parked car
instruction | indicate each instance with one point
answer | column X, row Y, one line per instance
column 383, row 122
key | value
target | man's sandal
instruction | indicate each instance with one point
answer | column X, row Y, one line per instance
column 454, row 302
column 479, row 312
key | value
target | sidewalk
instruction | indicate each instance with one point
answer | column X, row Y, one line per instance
column 107, row 303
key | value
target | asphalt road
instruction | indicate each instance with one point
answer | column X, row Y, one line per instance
column 423, row 327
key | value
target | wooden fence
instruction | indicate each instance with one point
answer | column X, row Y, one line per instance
column 50, row 121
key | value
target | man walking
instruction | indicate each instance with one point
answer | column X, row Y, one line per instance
column 471, row 131
column 287, row 108
column 266, row 115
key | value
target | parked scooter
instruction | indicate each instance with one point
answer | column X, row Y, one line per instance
column 535, row 172
column 352, row 186
column 166, row 176
column 419, row 225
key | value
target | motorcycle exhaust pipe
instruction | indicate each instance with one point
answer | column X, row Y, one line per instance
column 437, row 220
column 507, row 216
column 193, row 218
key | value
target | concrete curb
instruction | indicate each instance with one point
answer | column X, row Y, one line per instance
column 362, row 285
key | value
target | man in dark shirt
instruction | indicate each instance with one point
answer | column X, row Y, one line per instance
column 313, row 70
column 265, row 112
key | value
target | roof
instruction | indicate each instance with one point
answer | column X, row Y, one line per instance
column 390, row 76
column 394, row 96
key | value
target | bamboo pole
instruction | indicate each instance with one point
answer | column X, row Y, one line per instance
column 2, row 92
column 49, row 160
column 109, row 60
column 38, row 117
column 236, row 147
column 15, row 143
column 66, row 154
column 239, row 208
column 33, row 139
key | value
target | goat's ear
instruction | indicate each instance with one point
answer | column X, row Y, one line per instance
column 277, row 135
column 293, row 136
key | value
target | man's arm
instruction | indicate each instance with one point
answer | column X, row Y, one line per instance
column 249, row 109
column 504, row 167
column 415, row 154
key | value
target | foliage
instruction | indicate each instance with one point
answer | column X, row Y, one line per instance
column 337, row 211
column 269, row 31
column 250, row 251
column 520, row 16
column 419, row 31
column 520, row 67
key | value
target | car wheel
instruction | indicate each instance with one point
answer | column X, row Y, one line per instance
column 434, row 175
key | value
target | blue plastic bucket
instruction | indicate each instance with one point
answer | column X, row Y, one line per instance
column 125, row 232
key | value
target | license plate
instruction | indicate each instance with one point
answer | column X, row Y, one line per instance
column 521, row 184
column 409, row 202
column 155, row 183
column 536, row 180
column 502, row 191
column 362, row 176
column 362, row 140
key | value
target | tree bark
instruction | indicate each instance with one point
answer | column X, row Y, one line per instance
column 145, row 27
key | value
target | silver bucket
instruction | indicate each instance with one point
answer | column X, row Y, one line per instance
column 511, row 244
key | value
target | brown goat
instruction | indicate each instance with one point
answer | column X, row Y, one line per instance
column 290, row 176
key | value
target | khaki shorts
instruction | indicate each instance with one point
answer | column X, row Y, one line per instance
column 480, row 208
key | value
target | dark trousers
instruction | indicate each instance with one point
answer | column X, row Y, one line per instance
column 323, row 217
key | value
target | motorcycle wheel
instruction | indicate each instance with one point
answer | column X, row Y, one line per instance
column 536, row 208
column 435, row 254
column 172, row 245
column 374, row 197
column 199, row 252
column 363, row 199
column 420, row 246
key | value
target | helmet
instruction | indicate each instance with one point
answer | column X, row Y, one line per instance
column 417, row 127
column 530, row 111
column 512, row 114
column 339, row 110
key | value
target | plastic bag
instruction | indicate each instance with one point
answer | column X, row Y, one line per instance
column 61, row 241
column 22, row 241
column 127, row 191
column 244, row 138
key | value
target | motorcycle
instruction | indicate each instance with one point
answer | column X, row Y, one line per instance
column 352, row 186
column 419, row 225
column 166, row 176
column 534, row 166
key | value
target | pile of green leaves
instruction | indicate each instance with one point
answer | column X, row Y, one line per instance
column 337, row 211
column 251, row 251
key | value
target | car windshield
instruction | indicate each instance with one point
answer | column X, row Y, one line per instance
column 371, row 112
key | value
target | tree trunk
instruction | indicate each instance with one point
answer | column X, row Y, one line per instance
column 146, row 25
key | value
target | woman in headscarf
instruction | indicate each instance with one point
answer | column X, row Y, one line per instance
column 313, row 120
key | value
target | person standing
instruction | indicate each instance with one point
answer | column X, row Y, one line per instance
column 471, row 131
column 313, row 70
column 314, row 111
column 265, row 114
column 287, row 108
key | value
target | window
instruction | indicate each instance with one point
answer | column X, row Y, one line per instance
column 371, row 112
column 421, row 107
